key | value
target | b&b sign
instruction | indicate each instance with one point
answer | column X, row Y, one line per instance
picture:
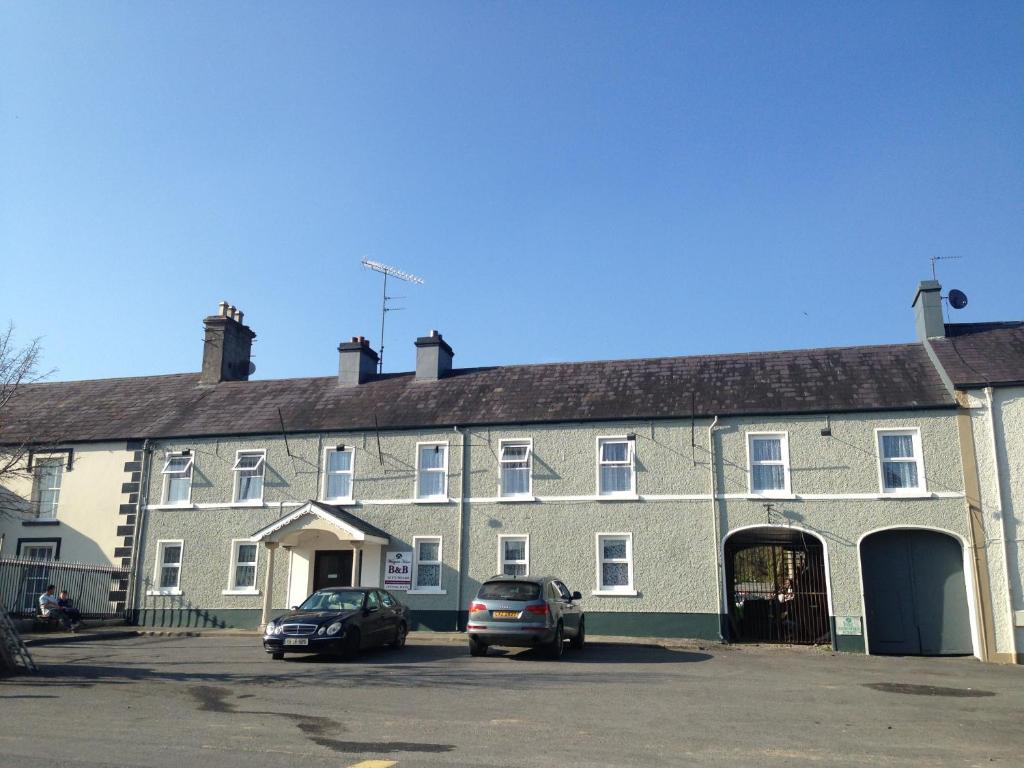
column 398, row 570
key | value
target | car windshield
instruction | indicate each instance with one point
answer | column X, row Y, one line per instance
column 329, row 600
column 509, row 590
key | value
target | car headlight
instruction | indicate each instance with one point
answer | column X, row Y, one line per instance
column 270, row 628
column 279, row 629
column 321, row 630
column 334, row 629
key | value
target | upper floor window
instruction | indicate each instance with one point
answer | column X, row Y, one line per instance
column 615, row 476
column 47, row 474
column 900, row 460
column 514, row 555
column 432, row 471
column 769, row 462
column 338, row 473
column 516, row 460
column 177, row 474
column 249, row 468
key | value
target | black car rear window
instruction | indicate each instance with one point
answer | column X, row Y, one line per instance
column 509, row 590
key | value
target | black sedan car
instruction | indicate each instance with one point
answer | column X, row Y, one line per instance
column 340, row 621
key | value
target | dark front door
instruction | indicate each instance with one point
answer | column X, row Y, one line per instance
column 915, row 593
column 332, row 568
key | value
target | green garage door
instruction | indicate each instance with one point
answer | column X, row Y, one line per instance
column 915, row 593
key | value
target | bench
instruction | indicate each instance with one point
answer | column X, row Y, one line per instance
column 46, row 623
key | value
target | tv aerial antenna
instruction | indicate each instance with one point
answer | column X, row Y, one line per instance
column 956, row 298
column 942, row 258
column 388, row 271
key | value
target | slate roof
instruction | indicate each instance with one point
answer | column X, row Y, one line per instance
column 891, row 377
column 982, row 354
column 345, row 516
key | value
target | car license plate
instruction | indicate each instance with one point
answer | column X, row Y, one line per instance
column 506, row 614
column 296, row 641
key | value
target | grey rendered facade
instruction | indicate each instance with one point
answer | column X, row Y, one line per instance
column 676, row 535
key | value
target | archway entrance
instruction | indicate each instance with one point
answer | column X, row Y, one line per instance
column 915, row 594
column 776, row 587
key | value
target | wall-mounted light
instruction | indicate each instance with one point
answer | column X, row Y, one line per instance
column 631, row 436
column 187, row 452
column 339, row 447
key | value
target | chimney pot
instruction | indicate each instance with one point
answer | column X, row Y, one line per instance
column 357, row 362
column 433, row 357
column 227, row 347
column 927, row 306
column 240, row 316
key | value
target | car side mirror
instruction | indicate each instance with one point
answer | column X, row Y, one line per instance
column 370, row 609
column 295, row 607
column 577, row 596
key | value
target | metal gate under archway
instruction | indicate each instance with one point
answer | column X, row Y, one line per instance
column 776, row 587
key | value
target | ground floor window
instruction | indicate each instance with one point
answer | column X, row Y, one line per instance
column 615, row 563
column 167, row 578
column 514, row 555
column 426, row 565
column 242, row 577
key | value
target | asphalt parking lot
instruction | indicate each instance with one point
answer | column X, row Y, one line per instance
column 173, row 701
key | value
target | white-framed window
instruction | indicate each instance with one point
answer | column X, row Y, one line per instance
column 615, row 563
column 514, row 555
column 242, row 575
column 431, row 470
column 615, row 459
column 167, row 576
column 515, row 460
column 900, row 461
column 177, row 474
column 426, row 564
column 339, row 469
column 768, row 462
column 249, row 468
column 47, row 474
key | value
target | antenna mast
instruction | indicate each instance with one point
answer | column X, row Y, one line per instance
column 941, row 258
column 387, row 271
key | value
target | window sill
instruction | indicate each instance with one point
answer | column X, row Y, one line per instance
column 616, row 593
column 189, row 505
column 433, row 500
column 162, row 592
column 779, row 495
column 346, row 500
column 516, row 499
column 256, row 503
column 40, row 522
column 915, row 494
column 240, row 592
column 426, row 592
column 618, row 497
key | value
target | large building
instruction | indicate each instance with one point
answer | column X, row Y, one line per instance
column 824, row 495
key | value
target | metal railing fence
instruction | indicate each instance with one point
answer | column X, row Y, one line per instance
column 97, row 590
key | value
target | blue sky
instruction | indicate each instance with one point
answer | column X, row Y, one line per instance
column 573, row 181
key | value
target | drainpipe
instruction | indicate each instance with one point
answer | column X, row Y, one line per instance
column 719, row 572
column 462, row 521
column 135, row 571
column 1002, row 521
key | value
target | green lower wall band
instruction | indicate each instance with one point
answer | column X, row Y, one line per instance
column 199, row 618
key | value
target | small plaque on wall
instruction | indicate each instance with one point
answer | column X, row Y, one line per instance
column 848, row 625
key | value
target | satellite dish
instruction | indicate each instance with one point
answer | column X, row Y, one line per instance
column 957, row 299
column 252, row 366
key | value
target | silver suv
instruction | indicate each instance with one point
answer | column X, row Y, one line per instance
column 526, row 612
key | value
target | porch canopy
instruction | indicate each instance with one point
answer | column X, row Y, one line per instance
column 312, row 526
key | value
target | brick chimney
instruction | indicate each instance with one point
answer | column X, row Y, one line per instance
column 357, row 362
column 433, row 357
column 227, row 348
column 928, row 310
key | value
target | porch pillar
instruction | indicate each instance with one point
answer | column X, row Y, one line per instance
column 269, row 584
column 355, row 565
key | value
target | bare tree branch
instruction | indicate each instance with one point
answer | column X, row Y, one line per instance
column 18, row 366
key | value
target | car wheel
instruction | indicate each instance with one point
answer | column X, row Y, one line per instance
column 476, row 648
column 351, row 647
column 277, row 655
column 581, row 637
column 400, row 634
column 557, row 645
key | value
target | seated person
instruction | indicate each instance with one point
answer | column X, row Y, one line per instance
column 67, row 606
column 48, row 606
